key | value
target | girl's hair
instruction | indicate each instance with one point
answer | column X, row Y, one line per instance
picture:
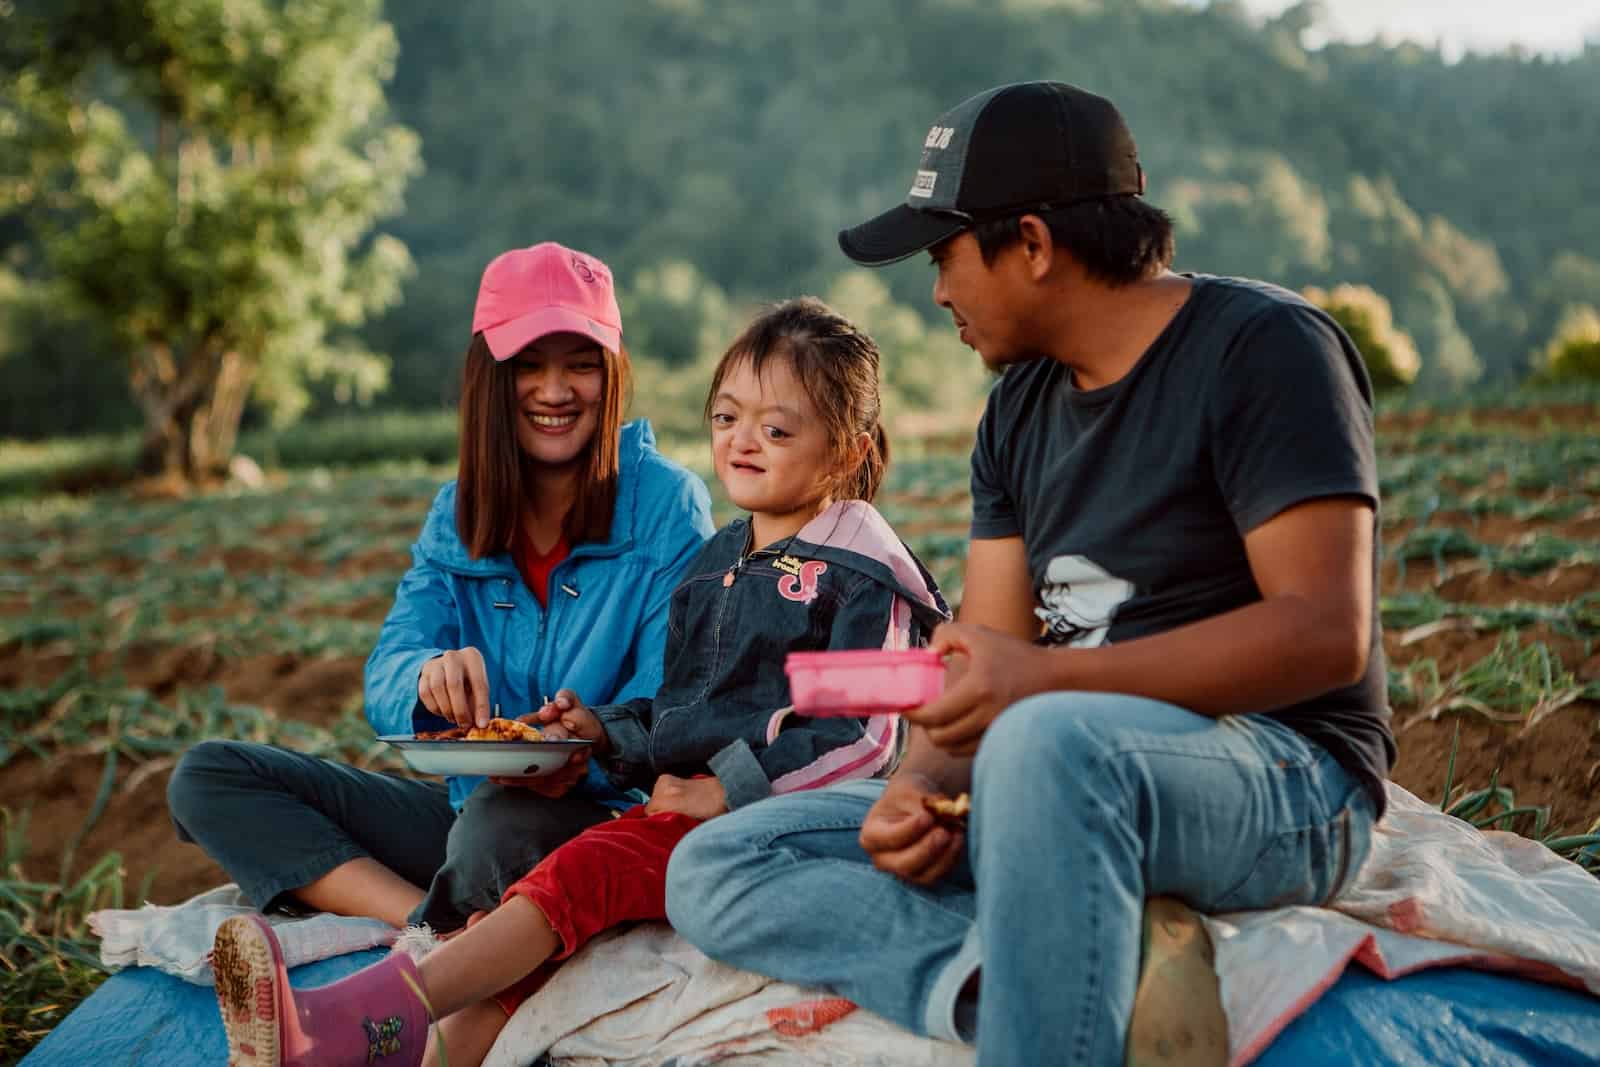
column 837, row 365
column 496, row 476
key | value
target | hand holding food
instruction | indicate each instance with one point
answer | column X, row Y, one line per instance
column 571, row 713
column 554, row 783
column 455, row 685
column 902, row 835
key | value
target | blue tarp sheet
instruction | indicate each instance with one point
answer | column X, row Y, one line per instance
column 1446, row 1016
column 143, row 1018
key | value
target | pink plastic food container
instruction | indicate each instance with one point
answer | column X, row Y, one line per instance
column 864, row 682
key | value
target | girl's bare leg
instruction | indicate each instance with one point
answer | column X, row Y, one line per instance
column 363, row 887
column 505, row 947
column 468, row 1035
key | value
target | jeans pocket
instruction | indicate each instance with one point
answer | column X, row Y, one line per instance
column 1304, row 866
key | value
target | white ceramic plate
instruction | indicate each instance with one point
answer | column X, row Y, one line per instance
column 513, row 758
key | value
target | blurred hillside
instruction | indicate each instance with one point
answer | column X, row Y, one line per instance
column 710, row 149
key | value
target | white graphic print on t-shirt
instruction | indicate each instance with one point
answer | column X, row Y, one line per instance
column 1079, row 601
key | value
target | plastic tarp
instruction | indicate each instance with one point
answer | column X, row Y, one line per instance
column 1448, row 1017
column 144, row 1018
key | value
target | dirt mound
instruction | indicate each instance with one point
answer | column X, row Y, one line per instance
column 56, row 796
column 308, row 689
column 1554, row 763
column 1557, row 416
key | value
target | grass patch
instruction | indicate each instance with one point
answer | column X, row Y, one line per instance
column 49, row 960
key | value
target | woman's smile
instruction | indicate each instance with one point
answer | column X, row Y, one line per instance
column 553, row 424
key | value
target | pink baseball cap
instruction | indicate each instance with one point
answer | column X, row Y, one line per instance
column 527, row 293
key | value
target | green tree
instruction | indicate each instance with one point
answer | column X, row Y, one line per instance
column 1390, row 356
column 203, row 176
column 1573, row 354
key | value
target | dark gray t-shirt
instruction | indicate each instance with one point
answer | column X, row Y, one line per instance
column 1133, row 500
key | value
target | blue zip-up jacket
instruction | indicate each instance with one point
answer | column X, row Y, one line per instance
column 602, row 635
column 844, row 581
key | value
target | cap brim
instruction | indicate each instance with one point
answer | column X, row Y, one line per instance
column 509, row 338
column 897, row 233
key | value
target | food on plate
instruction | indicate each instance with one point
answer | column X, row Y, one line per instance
column 949, row 812
column 496, row 730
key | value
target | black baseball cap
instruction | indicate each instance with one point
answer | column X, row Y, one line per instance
column 1031, row 146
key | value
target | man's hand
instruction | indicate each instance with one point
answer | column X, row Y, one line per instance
column 576, row 720
column 455, row 685
column 558, row 782
column 989, row 672
column 902, row 836
column 699, row 798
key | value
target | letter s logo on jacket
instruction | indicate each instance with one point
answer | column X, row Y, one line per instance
column 802, row 587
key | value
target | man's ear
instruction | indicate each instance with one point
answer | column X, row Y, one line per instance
column 1038, row 246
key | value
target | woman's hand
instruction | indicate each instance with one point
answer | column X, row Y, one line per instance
column 558, row 782
column 698, row 798
column 570, row 713
column 455, row 686
column 902, row 836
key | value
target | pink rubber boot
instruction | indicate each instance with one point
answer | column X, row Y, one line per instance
column 372, row 1017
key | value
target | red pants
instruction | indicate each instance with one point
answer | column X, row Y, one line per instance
column 612, row 873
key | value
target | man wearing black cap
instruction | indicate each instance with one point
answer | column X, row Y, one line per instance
column 1166, row 678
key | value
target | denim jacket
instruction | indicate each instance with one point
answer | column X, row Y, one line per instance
column 844, row 581
column 601, row 635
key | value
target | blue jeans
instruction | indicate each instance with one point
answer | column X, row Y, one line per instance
column 1083, row 805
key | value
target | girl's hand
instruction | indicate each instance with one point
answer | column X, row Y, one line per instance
column 558, row 782
column 573, row 717
column 698, row 798
column 455, row 686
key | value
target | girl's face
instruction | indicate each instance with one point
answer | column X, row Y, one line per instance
column 560, row 383
column 768, row 443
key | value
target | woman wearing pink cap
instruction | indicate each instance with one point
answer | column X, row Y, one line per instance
column 548, row 564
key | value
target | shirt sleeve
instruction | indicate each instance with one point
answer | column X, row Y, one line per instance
column 806, row 753
column 994, row 511
column 1290, row 418
column 422, row 624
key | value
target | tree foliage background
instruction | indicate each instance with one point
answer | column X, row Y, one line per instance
column 710, row 149
column 200, row 178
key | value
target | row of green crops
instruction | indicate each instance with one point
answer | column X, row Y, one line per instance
column 1495, row 807
column 1442, row 545
column 1477, row 459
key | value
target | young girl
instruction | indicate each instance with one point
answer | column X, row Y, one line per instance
column 796, row 441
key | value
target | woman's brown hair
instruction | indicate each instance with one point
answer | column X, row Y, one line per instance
column 837, row 365
column 495, row 475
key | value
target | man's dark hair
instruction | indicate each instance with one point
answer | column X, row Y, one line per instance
column 1118, row 239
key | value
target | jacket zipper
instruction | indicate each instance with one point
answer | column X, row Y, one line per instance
column 738, row 565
